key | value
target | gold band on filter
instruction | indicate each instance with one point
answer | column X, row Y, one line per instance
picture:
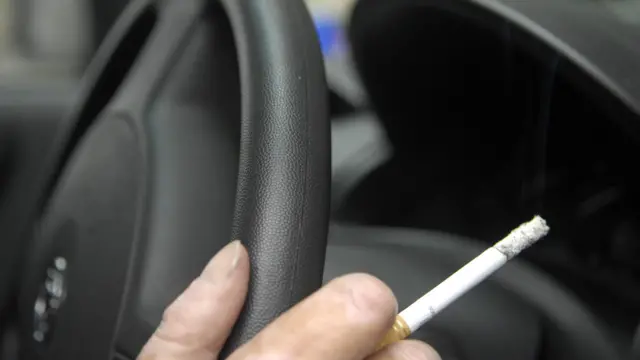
column 399, row 331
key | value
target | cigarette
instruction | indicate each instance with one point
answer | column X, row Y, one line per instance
column 417, row 314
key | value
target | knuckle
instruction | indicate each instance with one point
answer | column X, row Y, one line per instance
column 185, row 310
column 175, row 330
column 369, row 294
column 173, row 314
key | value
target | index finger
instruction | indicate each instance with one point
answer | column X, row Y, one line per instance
column 198, row 322
column 342, row 321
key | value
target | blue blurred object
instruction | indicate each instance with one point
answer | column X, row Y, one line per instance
column 329, row 31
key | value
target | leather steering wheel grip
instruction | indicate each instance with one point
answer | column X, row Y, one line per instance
column 200, row 122
column 282, row 201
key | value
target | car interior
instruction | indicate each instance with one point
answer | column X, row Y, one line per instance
column 447, row 123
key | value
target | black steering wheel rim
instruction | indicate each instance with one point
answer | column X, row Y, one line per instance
column 228, row 97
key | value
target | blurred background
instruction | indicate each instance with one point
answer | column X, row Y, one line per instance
column 57, row 37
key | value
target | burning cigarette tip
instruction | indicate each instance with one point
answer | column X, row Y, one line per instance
column 522, row 237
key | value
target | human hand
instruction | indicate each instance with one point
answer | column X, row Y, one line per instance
column 342, row 321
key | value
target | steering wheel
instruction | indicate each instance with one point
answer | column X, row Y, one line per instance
column 200, row 122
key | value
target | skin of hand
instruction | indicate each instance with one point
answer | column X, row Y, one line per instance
column 342, row 321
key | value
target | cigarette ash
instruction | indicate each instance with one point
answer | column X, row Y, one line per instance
column 522, row 237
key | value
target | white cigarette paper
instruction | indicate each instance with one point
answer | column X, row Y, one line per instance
column 492, row 259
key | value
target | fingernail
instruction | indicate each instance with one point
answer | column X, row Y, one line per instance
column 224, row 263
column 236, row 254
